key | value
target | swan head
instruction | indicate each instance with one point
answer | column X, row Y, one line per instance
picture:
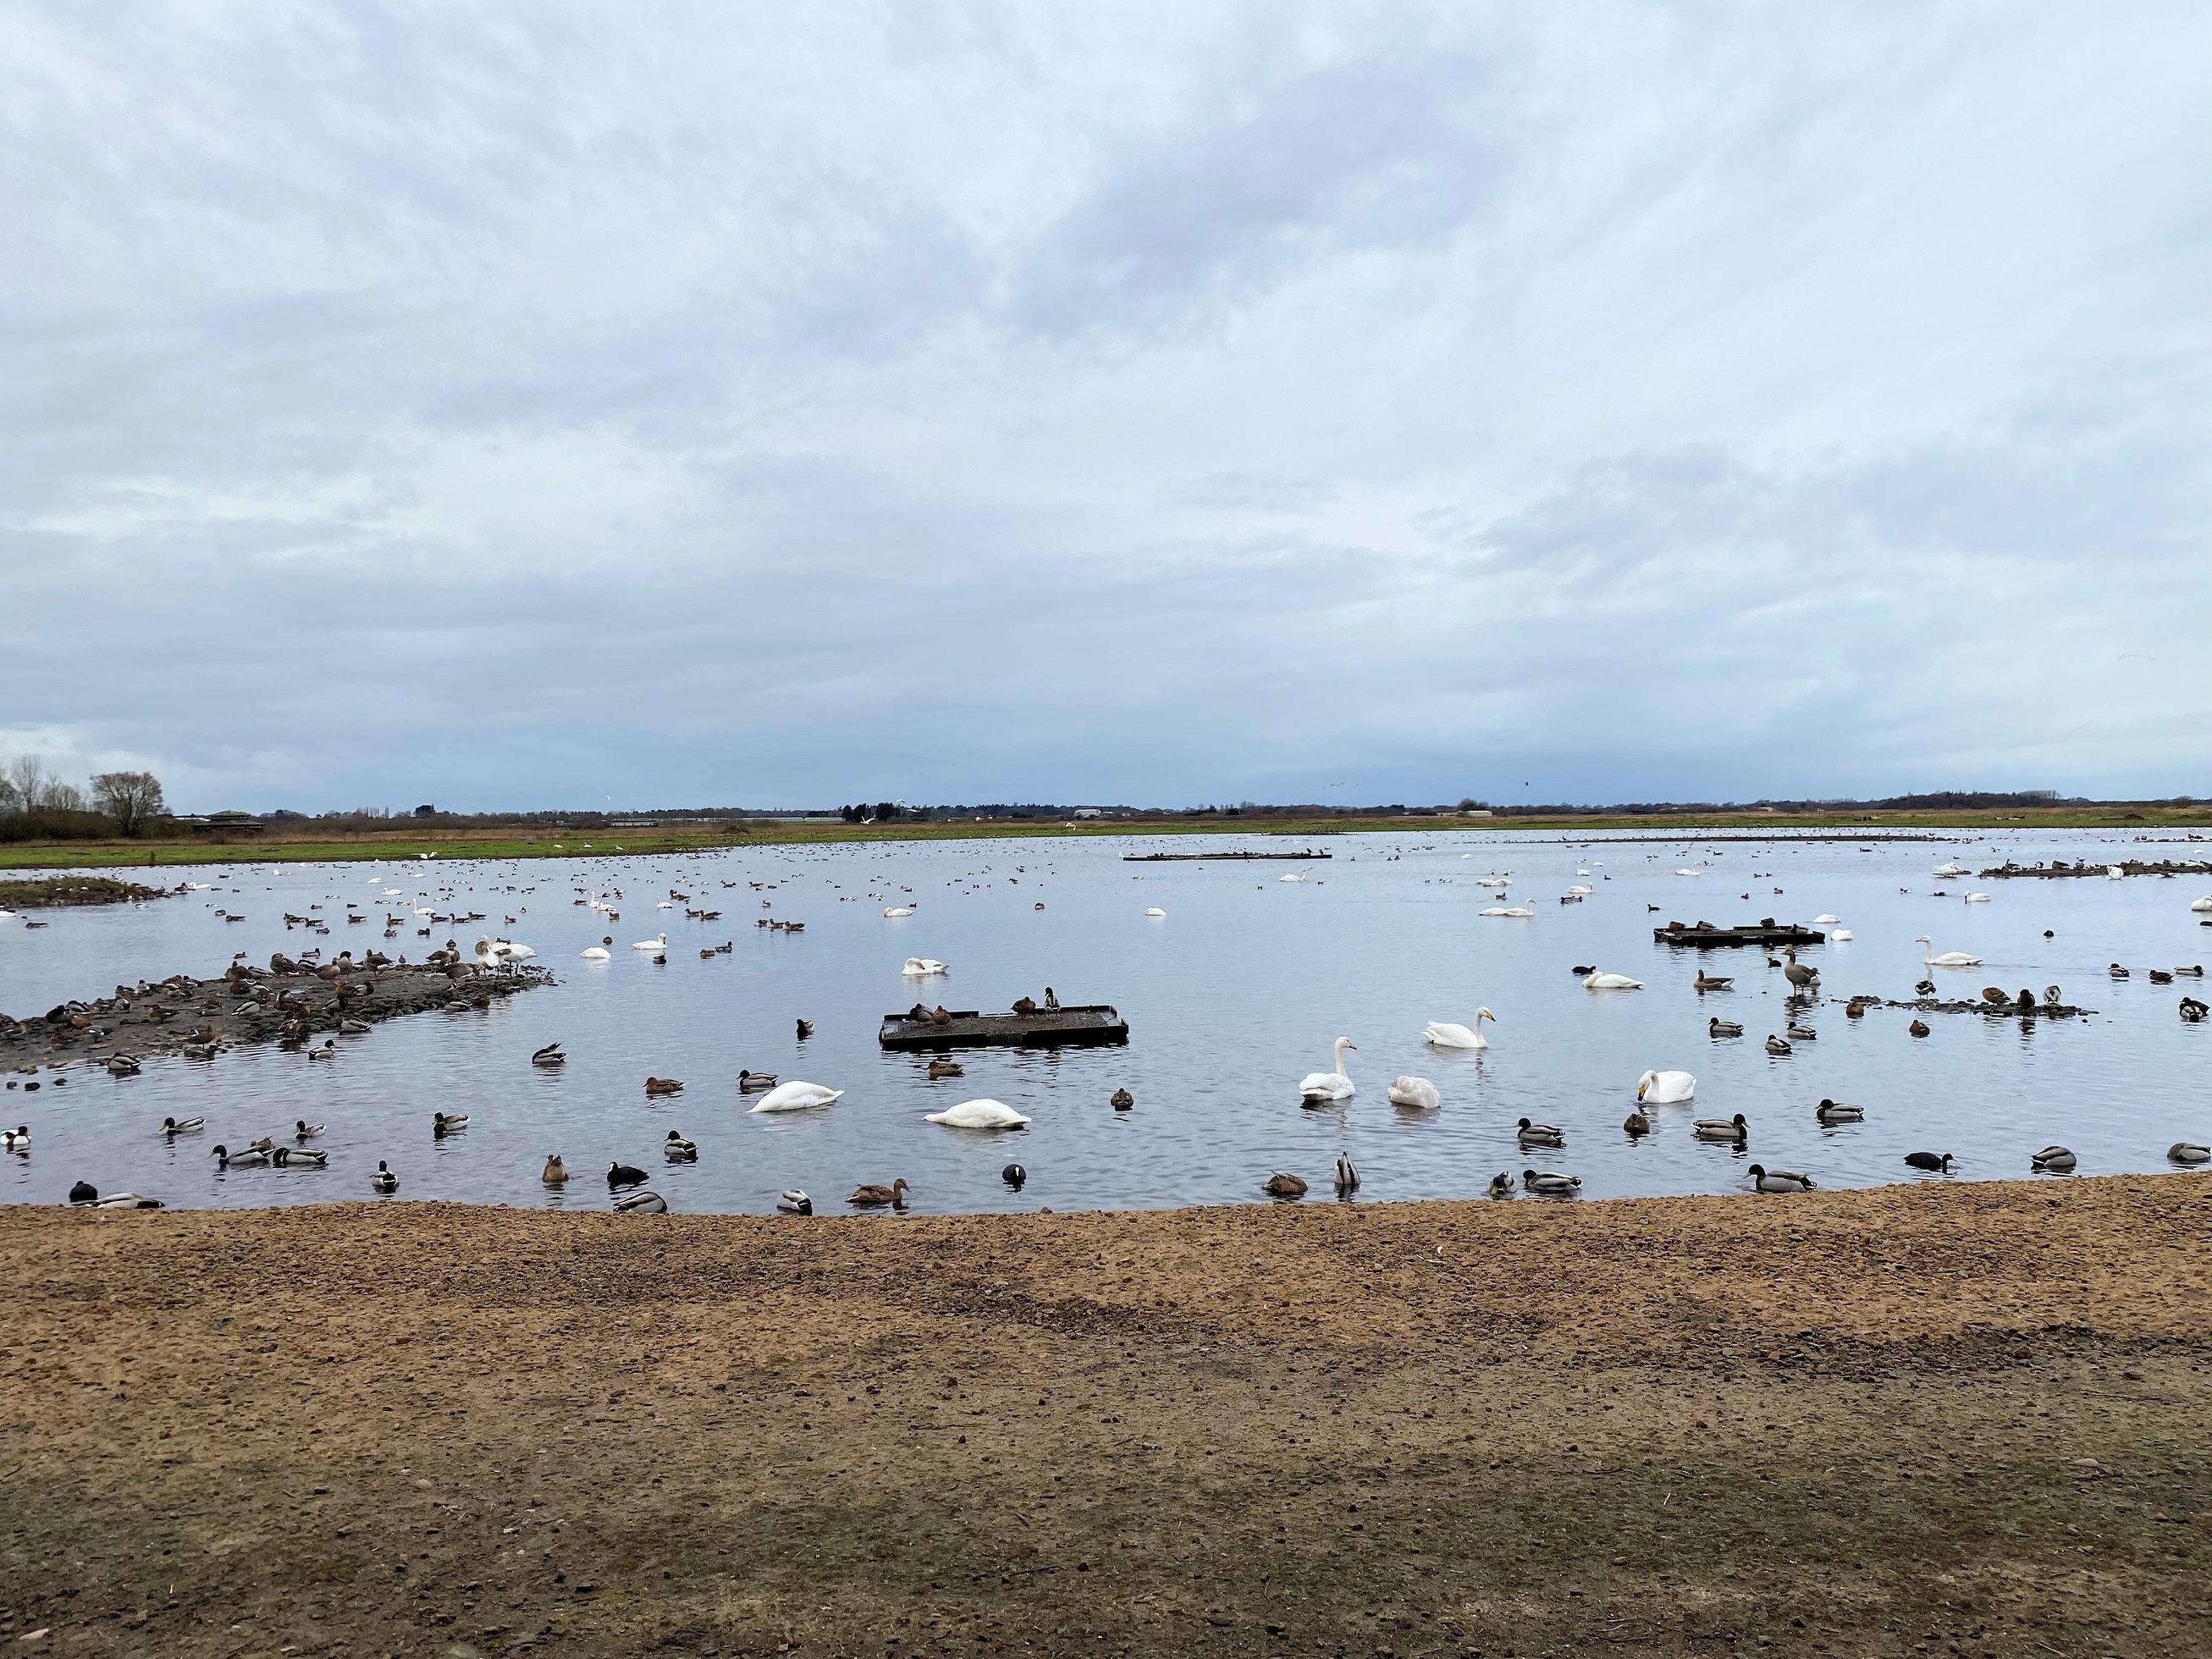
column 1343, row 1043
column 1923, row 938
column 1481, row 1014
column 1645, row 1083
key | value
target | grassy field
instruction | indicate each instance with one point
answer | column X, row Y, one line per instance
column 319, row 844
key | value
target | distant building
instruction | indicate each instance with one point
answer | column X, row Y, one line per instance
column 1089, row 812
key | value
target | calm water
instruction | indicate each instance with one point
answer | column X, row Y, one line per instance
column 1231, row 998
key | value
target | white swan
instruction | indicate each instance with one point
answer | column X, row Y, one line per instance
column 1949, row 959
column 1583, row 888
column 898, row 910
column 1294, row 875
column 797, row 1096
column 1824, row 919
column 2205, row 903
column 1601, row 982
column 1445, row 1035
column 1976, row 898
column 1689, row 872
column 917, row 966
column 1330, row 1086
column 1416, row 1091
column 594, row 954
column 1666, row 1088
column 978, row 1115
column 1946, row 871
column 1528, row 909
column 2113, row 873
column 660, row 943
column 1156, row 911
column 1839, row 935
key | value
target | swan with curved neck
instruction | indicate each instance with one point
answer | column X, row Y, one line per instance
column 1445, row 1035
column 1949, row 959
column 1330, row 1086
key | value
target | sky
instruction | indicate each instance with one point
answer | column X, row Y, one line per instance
column 519, row 405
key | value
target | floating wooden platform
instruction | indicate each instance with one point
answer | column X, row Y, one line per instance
column 1069, row 1027
column 1215, row 858
column 1762, row 932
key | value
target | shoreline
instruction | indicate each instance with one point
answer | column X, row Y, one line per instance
column 1869, row 1422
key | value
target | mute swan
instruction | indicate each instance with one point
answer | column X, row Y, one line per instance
column 797, row 1096
column 1447, row 1035
column 1778, row 1181
column 1598, row 982
column 1666, row 1088
column 1949, row 959
column 594, row 954
column 660, row 943
column 1330, row 1086
column 978, row 1115
column 919, row 966
column 898, row 910
column 1415, row 1092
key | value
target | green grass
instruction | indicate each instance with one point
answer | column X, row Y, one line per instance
column 323, row 846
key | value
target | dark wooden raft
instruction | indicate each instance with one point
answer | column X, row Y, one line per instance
column 1215, row 858
column 1765, row 931
column 1074, row 1026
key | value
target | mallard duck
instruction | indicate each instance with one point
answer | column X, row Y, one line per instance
column 625, row 1175
column 1348, row 1175
column 1540, row 1134
column 1937, row 1161
column 1919, row 1028
column 556, row 1172
column 286, row 1158
column 1722, row 1028
column 1797, row 1032
column 1778, row 1181
column 303, row 1130
column 940, row 1015
column 446, row 1123
column 943, row 1068
column 551, row 1055
column 794, row 1202
column 1121, row 1100
column 384, row 1181
column 2189, row 1151
column 2117, row 971
column 1547, row 1181
column 1637, row 1124
column 224, row 1157
column 645, row 1203
column 2157, row 977
column 183, row 1126
column 1721, row 1128
column 127, row 1066
column 1501, row 1185
column 755, row 1082
column 1775, row 1045
column 1925, row 988
column 2051, row 1158
column 875, row 1197
column 1832, row 1111
column 677, row 1149
column 1282, row 1184
column 1994, row 994
column 663, row 1085
column 266, row 1144
column 1854, row 1009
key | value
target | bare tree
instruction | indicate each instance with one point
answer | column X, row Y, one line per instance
column 8, row 801
column 129, row 797
column 28, row 776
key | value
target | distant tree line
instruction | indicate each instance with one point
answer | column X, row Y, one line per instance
column 38, row 803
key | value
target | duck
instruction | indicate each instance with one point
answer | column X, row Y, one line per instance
column 1442, row 1034
column 1925, row 988
column 1601, row 982
column 1666, row 1088
column 17, row 1139
column 1798, row 1032
column 2157, row 977
column 2192, row 1010
column 1776, row 1046
column 979, row 1114
column 1283, row 1184
column 1417, row 1092
column 1321, row 1088
column 1121, row 1100
column 550, row 1056
column 806, row 1029
column 644, row 1203
column 1994, row 994
column 657, row 942
column 1834, row 1111
column 285, row 1158
column 1939, row 1162
column 1919, row 1028
column 2051, row 1158
column 2117, row 971
column 794, row 1202
column 918, row 967
column 755, row 1082
column 1949, row 959
column 127, row 1065
column 871, row 1198
column 2189, row 1151
column 1540, row 1134
column 556, row 1172
column 252, row 1156
column 1855, row 1009
column 677, row 1149
column 182, row 1126
column 446, row 1123
column 1721, row 1128
column 1550, row 1183
column 1706, row 982
column 384, row 1181
column 664, row 1086
column 797, row 1096
column 1348, row 1175
column 1722, row 1028
column 1778, row 1181
column 303, row 1130
column 625, row 1175
column 1636, row 1124
column 942, row 1068
column 1501, row 1185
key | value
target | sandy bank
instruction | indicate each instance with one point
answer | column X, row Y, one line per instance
column 1855, row 1422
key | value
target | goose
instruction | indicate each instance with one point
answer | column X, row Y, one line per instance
column 1282, row 1184
column 664, row 1086
column 1919, row 1028
column 1949, row 959
column 446, row 1123
column 1834, row 1111
column 551, row 1055
column 1706, row 982
column 1598, row 982
column 2189, row 1151
column 677, row 1149
column 897, row 910
column 1322, row 1087
column 1939, row 1162
column 755, row 1082
column 1415, row 1092
column 1666, row 1088
column 797, row 1096
column 657, row 942
column 182, row 1126
column 1776, row 1046
column 2051, row 1158
column 285, row 1158
column 1795, row 971
column 1348, row 1175
column 384, row 1181
column 644, row 1203
column 595, row 953
column 870, row 1198
column 1540, row 1134
column 1444, row 1035
column 1722, row 1028
column 1778, row 1181
column 1721, row 1128
column 1549, row 1182
column 919, row 966
column 1121, row 1100
column 794, row 1202
column 1636, row 1124
column 1501, row 1185
column 303, row 1130
column 556, row 1172
column 225, row 1158
column 1014, row 1175
column 979, row 1114
column 1155, row 912
column 625, row 1175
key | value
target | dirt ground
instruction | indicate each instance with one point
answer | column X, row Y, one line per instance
column 1941, row 1418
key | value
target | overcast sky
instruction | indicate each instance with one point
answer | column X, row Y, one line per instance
column 521, row 405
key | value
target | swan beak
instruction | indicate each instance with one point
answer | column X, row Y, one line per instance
column 1640, row 1088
